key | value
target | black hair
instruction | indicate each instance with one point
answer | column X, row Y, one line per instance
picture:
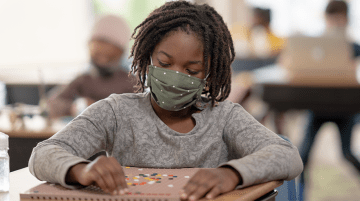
column 205, row 23
column 337, row 7
column 264, row 14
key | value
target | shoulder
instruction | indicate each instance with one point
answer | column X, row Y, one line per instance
column 128, row 100
column 81, row 79
column 225, row 109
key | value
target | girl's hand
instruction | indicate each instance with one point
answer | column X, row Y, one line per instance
column 104, row 172
column 210, row 182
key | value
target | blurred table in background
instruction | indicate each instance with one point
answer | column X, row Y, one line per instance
column 322, row 99
column 26, row 125
column 21, row 143
column 273, row 86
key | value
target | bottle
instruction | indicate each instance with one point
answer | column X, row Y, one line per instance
column 4, row 163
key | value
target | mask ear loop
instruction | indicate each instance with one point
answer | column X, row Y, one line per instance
column 206, row 76
column 151, row 61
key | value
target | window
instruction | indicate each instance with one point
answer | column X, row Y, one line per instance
column 45, row 35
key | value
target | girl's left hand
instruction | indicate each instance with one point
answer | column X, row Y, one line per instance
column 210, row 182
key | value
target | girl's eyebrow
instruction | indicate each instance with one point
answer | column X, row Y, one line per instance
column 195, row 62
column 165, row 54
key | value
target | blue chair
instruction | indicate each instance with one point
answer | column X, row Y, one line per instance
column 287, row 191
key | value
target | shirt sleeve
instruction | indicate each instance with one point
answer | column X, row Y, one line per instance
column 61, row 98
column 258, row 154
column 89, row 133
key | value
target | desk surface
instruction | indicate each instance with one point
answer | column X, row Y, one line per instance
column 22, row 180
column 320, row 99
column 29, row 134
column 283, row 95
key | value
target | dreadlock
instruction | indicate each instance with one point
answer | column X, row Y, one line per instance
column 202, row 20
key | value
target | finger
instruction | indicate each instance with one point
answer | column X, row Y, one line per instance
column 205, row 180
column 118, row 174
column 96, row 177
column 106, row 176
column 214, row 192
column 189, row 188
column 202, row 190
column 191, row 185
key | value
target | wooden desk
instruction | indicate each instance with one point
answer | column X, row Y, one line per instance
column 320, row 99
column 30, row 134
column 21, row 144
column 22, row 180
column 275, row 88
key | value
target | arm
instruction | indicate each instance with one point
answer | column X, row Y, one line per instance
column 258, row 154
column 61, row 98
column 86, row 135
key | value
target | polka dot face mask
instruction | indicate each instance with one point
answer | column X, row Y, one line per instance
column 173, row 90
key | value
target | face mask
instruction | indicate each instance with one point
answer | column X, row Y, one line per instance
column 173, row 90
column 107, row 70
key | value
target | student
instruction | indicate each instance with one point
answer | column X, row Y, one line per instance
column 336, row 15
column 261, row 42
column 182, row 52
column 108, row 45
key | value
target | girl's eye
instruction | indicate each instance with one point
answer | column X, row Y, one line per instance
column 163, row 64
column 191, row 72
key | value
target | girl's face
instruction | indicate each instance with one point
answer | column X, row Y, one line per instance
column 180, row 52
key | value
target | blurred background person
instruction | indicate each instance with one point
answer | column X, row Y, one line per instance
column 108, row 46
column 263, row 42
column 336, row 18
column 336, row 15
column 260, row 40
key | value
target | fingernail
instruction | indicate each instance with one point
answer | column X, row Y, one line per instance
column 208, row 196
column 192, row 198
column 121, row 192
column 126, row 190
column 183, row 196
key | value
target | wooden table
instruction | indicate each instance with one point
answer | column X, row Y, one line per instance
column 281, row 93
column 320, row 99
column 22, row 180
column 29, row 134
column 21, row 143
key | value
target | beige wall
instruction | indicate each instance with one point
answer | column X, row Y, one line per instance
column 232, row 11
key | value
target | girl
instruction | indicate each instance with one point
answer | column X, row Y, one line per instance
column 183, row 52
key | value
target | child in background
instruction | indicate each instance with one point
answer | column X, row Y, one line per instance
column 183, row 53
column 108, row 47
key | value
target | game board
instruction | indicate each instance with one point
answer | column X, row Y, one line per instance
column 143, row 183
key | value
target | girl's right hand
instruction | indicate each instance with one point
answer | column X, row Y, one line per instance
column 105, row 172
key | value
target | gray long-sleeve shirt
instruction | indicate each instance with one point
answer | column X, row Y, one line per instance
column 127, row 127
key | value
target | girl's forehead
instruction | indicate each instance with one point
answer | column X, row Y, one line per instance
column 179, row 31
column 181, row 41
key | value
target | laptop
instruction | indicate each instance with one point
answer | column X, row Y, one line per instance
column 319, row 60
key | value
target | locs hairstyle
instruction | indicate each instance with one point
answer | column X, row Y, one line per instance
column 201, row 20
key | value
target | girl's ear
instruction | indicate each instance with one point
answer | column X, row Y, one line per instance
column 207, row 88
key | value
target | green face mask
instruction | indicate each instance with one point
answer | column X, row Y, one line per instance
column 173, row 90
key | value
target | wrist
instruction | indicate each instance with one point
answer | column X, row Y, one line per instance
column 74, row 172
column 235, row 174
